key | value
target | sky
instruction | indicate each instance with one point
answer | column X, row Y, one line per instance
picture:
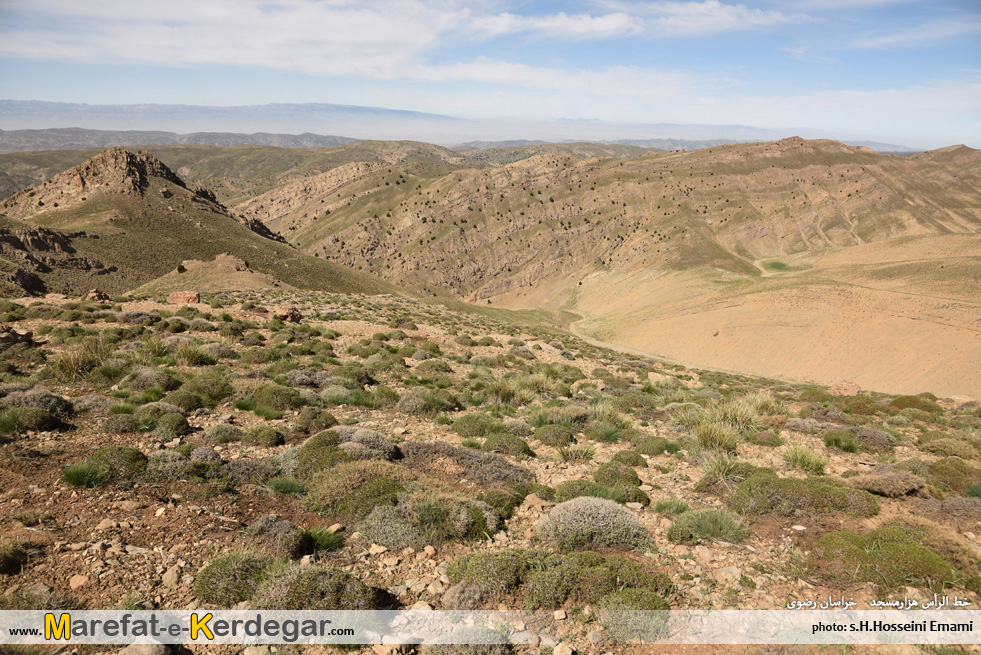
column 906, row 72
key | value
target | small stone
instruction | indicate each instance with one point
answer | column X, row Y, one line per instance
column 636, row 506
column 161, row 511
column 256, row 650
column 337, row 527
column 595, row 637
column 375, row 549
column 172, row 577
column 799, row 528
column 422, row 606
column 563, row 649
column 106, row 524
column 560, row 615
column 430, row 550
column 78, row 581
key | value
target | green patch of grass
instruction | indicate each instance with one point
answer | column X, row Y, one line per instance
column 85, row 474
column 577, row 453
column 805, row 459
column 843, row 440
column 694, row 527
column 671, row 507
column 322, row 539
column 286, row 486
column 890, row 556
column 765, row 493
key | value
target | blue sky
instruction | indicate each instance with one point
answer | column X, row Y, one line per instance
column 904, row 71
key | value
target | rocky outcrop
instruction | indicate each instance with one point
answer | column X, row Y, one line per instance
column 184, row 298
column 34, row 251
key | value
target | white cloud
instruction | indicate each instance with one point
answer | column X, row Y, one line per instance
column 920, row 34
column 576, row 26
column 700, row 18
column 374, row 38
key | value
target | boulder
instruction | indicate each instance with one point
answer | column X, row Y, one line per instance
column 288, row 314
column 184, row 298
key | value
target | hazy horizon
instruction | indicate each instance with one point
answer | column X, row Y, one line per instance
column 885, row 70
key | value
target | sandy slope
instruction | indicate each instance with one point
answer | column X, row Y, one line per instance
column 900, row 316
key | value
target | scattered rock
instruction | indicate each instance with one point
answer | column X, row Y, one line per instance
column 77, row 582
column 288, row 314
column 184, row 298
column 844, row 389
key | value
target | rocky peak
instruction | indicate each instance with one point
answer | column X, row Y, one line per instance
column 115, row 171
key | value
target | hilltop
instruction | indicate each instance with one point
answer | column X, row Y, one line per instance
column 121, row 219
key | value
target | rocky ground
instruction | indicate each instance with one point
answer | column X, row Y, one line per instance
column 136, row 530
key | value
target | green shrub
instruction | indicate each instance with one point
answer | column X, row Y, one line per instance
column 575, row 488
column 221, row 433
column 441, row 517
column 604, row 432
column 386, row 526
column 35, row 418
column 186, row 400
column 85, row 474
column 582, row 453
column 766, row 438
column 286, row 486
column 476, row 425
column 614, row 474
column 262, row 435
column 671, row 507
column 230, row 579
column 323, row 540
column 554, row 435
column 121, row 424
column 313, row 588
column 954, row 474
column 694, row 527
column 507, row 444
column 172, row 425
column 313, row 420
column 351, row 490
column 493, row 573
column 211, row 385
column 843, row 440
column 889, row 556
column 765, row 493
column 120, row 462
column 805, row 459
column 652, row 446
column 626, row 615
column 629, row 458
column 587, row 522
column 723, row 472
column 714, row 435
column 277, row 398
column 916, row 402
column 318, row 453
column 951, row 448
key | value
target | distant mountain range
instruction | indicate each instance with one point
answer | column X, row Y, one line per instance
column 70, row 138
column 275, row 124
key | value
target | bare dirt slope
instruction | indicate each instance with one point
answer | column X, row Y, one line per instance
column 895, row 322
